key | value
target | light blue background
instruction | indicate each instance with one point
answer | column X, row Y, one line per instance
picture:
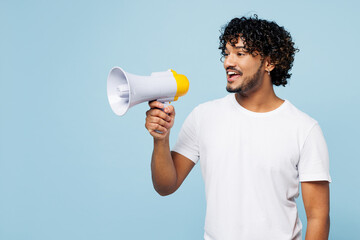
column 71, row 169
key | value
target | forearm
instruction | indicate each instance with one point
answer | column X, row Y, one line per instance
column 318, row 228
column 162, row 168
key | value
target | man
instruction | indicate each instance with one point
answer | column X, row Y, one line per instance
column 254, row 148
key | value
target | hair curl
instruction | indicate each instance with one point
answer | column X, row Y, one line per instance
column 265, row 37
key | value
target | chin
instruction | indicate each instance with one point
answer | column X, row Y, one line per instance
column 233, row 89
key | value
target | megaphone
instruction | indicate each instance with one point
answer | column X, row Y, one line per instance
column 124, row 90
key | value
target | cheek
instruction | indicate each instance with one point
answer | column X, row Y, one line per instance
column 251, row 68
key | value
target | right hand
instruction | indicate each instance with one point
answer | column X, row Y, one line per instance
column 157, row 119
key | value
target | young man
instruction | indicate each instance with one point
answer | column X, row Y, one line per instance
column 254, row 148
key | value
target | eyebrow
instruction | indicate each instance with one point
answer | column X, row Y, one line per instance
column 237, row 47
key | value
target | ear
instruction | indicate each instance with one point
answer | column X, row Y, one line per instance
column 269, row 65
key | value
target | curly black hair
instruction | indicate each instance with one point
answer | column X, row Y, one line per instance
column 263, row 37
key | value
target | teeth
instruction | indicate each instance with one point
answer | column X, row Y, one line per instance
column 231, row 73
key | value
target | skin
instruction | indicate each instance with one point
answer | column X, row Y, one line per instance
column 169, row 169
column 254, row 91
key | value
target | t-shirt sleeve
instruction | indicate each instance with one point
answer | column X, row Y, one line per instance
column 314, row 157
column 187, row 142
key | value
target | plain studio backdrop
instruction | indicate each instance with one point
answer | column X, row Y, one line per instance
column 71, row 169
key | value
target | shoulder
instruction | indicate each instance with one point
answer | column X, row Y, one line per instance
column 211, row 106
column 207, row 111
column 299, row 118
column 299, row 114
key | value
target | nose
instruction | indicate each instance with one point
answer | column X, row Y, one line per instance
column 229, row 61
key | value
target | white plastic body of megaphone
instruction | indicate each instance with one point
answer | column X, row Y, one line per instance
column 124, row 90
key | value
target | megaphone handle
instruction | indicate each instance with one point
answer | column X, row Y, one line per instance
column 165, row 105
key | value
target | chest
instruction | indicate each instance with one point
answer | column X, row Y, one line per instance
column 263, row 145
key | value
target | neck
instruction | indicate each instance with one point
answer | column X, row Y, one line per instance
column 263, row 99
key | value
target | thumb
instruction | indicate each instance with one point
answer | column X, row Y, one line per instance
column 170, row 110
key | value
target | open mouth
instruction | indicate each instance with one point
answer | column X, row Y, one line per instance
column 232, row 75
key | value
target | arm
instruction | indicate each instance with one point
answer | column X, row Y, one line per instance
column 169, row 169
column 316, row 202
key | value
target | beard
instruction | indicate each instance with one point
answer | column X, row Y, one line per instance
column 248, row 84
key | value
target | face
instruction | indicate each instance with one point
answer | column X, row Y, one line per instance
column 244, row 71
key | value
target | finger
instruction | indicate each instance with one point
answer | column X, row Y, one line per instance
column 152, row 112
column 159, row 113
column 157, row 120
column 153, row 127
column 170, row 110
column 156, row 104
column 157, row 134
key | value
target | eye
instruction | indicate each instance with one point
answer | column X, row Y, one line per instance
column 240, row 54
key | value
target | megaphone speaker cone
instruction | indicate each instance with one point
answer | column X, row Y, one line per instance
column 118, row 91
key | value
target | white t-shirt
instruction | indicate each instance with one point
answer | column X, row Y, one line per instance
column 252, row 164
